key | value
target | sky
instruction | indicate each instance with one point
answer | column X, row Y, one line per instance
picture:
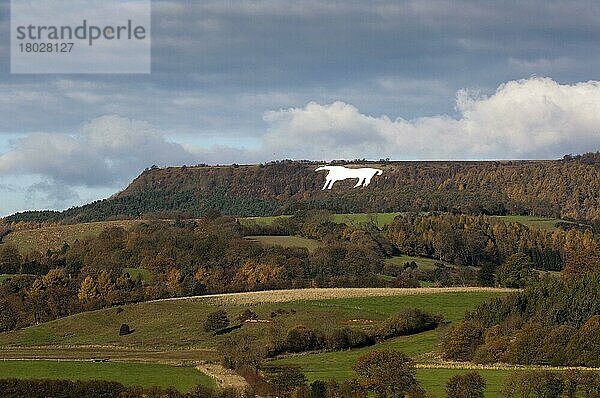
column 254, row 81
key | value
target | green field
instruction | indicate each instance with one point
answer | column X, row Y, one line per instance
column 175, row 326
column 178, row 323
column 135, row 272
column 42, row 239
column 141, row 374
column 4, row 277
column 286, row 241
column 422, row 262
column 381, row 219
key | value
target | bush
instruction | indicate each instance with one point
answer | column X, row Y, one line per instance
column 463, row 340
column 409, row 321
column 124, row 330
column 543, row 384
column 246, row 315
column 468, row 385
column 287, row 380
column 216, row 321
column 301, row 338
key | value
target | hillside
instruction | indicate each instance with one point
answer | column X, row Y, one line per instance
column 567, row 188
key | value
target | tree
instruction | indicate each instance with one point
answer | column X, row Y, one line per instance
column 387, row 373
column 288, row 380
column 517, row 271
column 88, row 289
column 216, row 321
column 124, row 330
column 468, row 385
column 585, row 344
column 463, row 340
column 10, row 259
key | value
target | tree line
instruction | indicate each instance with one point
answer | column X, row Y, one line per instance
column 553, row 322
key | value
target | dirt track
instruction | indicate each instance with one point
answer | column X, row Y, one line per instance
column 225, row 378
column 278, row 296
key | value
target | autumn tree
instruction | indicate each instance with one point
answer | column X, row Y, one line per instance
column 468, row 385
column 387, row 373
column 88, row 289
column 517, row 271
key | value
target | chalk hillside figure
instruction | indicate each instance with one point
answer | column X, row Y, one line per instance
column 338, row 173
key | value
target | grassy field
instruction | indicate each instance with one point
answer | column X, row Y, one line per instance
column 4, row 277
column 42, row 239
column 142, row 374
column 135, row 272
column 545, row 223
column 381, row 219
column 177, row 324
column 422, row 262
column 286, row 241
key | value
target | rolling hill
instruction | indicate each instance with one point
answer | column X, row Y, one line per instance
column 567, row 188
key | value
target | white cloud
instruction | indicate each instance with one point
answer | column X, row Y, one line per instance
column 535, row 118
column 107, row 150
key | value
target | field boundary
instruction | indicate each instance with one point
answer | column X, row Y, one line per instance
column 289, row 295
column 498, row 366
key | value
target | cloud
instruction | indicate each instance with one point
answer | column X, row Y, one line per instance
column 530, row 118
column 53, row 195
column 106, row 151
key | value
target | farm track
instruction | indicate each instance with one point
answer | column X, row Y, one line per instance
column 281, row 296
column 225, row 378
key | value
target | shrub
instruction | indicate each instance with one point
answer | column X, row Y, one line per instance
column 463, row 340
column 287, row 380
column 301, row 338
column 216, row 321
column 468, row 385
column 246, row 315
column 124, row 330
column 409, row 321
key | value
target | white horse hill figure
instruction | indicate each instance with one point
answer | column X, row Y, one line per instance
column 338, row 173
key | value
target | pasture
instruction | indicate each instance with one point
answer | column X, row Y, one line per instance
column 130, row 374
column 177, row 324
column 545, row 223
column 422, row 262
column 53, row 237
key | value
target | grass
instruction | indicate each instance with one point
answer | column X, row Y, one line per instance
column 286, row 241
column 381, row 219
column 338, row 364
column 142, row 374
column 175, row 326
column 434, row 380
column 4, row 277
column 178, row 324
column 422, row 262
column 53, row 237
column 135, row 272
